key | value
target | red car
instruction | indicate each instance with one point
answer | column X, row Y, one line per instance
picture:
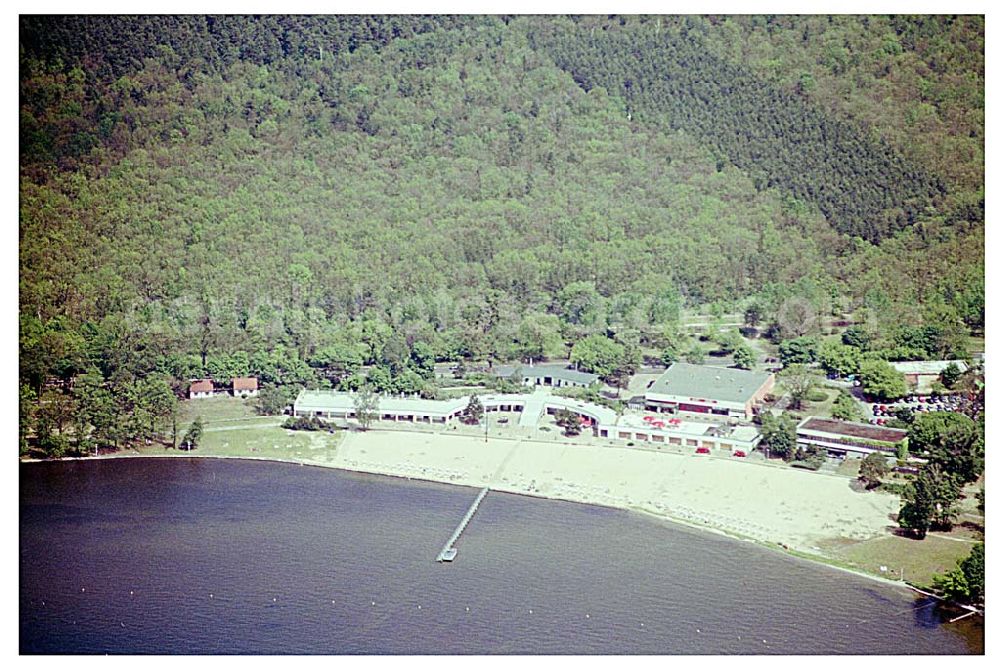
column 702, row 449
column 739, row 454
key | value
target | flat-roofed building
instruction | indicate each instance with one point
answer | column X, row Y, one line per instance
column 709, row 391
column 921, row 374
column 528, row 410
column 548, row 374
column 529, row 407
column 855, row 440
column 635, row 429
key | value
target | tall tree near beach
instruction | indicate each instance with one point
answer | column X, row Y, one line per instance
column 966, row 582
column 777, row 435
column 929, row 501
column 473, row 412
column 366, row 406
column 873, row 468
column 192, row 437
column 953, row 441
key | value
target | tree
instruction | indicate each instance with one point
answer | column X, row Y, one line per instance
column 272, row 400
column 873, row 468
column 158, row 406
column 339, row 359
column 902, row 450
column 974, row 568
column 857, row 337
column 953, row 441
column 422, row 357
column 798, row 350
column 777, row 435
column 569, row 422
column 695, row 354
column 366, row 406
column 380, row 379
column 744, row 358
column 729, row 342
column 929, row 501
column 753, row 314
column 538, row 337
column 881, row 381
column 581, row 305
column 839, row 359
column 473, row 411
column 600, row 355
column 845, row 408
column 799, row 380
column 967, row 582
column 27, row 403
column 950, row 375
column 193, row 435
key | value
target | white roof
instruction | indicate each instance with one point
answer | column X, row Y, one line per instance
column 927, row 367
column 341, row 401
column 327, row 401
column 682, row 428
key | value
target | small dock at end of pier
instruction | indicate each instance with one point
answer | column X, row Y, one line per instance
column 449, row 552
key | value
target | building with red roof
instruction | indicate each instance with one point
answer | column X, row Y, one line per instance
column 201, row 388
column 245, row 387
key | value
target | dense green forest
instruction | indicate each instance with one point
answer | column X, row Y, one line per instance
column 297, row 197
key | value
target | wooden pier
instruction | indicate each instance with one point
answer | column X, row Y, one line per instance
column 449, row 552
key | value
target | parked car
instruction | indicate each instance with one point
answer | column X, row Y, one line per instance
column 702, row 449
column 739, row 454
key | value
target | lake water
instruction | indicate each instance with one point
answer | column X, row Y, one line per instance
column 152, row 556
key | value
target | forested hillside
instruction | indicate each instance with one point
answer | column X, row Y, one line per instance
column 298, row 197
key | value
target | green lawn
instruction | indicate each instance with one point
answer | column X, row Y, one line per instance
column 810, row 408
column 222, row 408
column 918, row 560
column 850, row 467
column 267, row 440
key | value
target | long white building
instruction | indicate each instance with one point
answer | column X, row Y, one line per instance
column 630, row 428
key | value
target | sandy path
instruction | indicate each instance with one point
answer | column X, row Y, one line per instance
column 765, row 503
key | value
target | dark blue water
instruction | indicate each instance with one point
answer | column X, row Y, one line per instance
column 238, row 557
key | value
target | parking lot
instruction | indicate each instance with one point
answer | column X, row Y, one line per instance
column 881, row 412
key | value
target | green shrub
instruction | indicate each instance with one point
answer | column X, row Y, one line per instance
column 815, row 395
column 891, row 487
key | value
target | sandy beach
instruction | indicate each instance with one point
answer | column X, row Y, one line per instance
column 769, row 504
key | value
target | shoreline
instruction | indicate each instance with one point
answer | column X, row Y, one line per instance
column 776, row 547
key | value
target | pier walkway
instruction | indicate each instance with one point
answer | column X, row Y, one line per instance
column 449, row 552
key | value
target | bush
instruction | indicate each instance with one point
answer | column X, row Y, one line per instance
column 815, row 395
column 891, row 487
column 313, row 423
